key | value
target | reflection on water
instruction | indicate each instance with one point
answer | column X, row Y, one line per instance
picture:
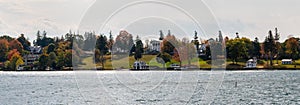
column 147, row 87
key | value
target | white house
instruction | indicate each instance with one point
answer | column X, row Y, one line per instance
column 140, row 65
column 154, row 45
column 34, row 54
column 202, row 49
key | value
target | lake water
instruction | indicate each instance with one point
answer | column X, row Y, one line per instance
column 150, row 87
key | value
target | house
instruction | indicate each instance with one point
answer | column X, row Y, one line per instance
column 140, row 65
column 154, row 45
column 251, row 63
column 202, row 50
column 286, row 61
column 34, row 54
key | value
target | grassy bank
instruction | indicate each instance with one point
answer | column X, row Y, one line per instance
column 126, row 63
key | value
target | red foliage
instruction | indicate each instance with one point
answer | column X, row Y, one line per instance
column 11, row 53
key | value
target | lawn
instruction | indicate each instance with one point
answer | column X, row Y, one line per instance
column 127, row 61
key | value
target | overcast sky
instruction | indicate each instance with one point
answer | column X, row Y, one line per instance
column 251, row 18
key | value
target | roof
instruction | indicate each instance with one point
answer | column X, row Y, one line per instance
column 35, row 49
column 287, row 60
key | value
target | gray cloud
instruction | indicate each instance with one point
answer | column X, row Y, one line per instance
column 250, row 18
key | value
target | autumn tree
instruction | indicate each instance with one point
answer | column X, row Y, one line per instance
column 168, row 44
column 15, row 44
column 3, row 49
column 292, row 48
column 11, row 53
column 8, row 38
column 186, row 50
column 123, row 42
column 15, row 61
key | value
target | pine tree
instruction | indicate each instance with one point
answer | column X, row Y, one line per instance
column 161, row 35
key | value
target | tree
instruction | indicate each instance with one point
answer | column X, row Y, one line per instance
column 25, row 43
column 51, row 48
column 196, row 43
column 15, row 44
column 237, row 35
column 161, row 34
column 15, row 61
column 89, row 42
column 52, row 60
column 68, row 58
column 292, row 48
column 43, row 61
column 168, row 44
column 277, row 44
column 236, row 48
column 43, row 41
column 11, row 53
column 60, row 63
column 220, row 37
column 270, row 47
column 123, row 42
column 38, row 38
column 110, row 41
column 249, row 47
column 256, row 48
column 8, row 38
column 186, row 50
column 101, row 44
column 163, row 58
column 3, row 49
column 139, row 49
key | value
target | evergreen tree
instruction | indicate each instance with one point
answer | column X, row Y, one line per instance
column 270, row 47
column 161, row 35
column 101, row 45
column 51, row 48
column 220, row 37
column 139, row 50
column 111, row 41
column 25, row 43
column 38, row 38
column 256, row 48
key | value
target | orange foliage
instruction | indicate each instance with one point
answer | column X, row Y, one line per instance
column 11, row 53
column 15, row 44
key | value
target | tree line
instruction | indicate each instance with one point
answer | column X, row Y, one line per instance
column 58, row 52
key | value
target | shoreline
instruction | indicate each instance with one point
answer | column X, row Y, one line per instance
column 193, row 69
